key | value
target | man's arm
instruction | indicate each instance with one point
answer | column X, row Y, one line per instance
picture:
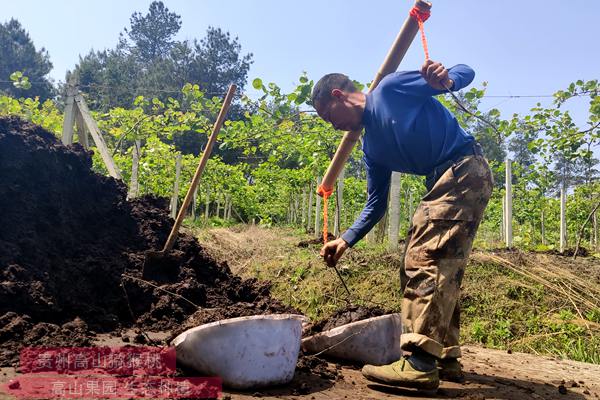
column 378, row 187
column 432, row 79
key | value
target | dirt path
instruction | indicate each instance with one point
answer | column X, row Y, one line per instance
column 491, row 374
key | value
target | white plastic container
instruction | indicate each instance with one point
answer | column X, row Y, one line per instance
column 245, row 352
column 373, row 341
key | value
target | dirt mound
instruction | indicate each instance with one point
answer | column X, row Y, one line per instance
column 316, row 241
column 72, row 252
column 569, row 252
column 351, row 313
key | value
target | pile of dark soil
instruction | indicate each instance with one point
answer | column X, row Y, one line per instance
column 346, row 315
column 316, row 241
column 72, row 252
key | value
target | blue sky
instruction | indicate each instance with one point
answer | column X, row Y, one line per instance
column 519, row 47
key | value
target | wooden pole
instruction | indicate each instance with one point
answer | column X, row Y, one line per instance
column 81, row 131
column 390, row 64
column 563, row 216
column 69, row 117
column 201, row 166
column 508, row 231
column 503, row 227
column 175, row 195
column 394, row 211
column 97, row 136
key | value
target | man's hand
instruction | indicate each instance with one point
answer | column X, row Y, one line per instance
column 436, row 75
column 332, row 251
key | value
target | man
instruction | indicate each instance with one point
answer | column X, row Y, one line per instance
column 408, row 130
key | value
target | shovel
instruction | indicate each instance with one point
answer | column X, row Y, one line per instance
column 154, row 256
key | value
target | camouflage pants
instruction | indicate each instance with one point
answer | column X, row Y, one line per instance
column 437, row 250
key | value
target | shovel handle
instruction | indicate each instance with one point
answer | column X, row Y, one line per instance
column 200, row 169
column 390, row 64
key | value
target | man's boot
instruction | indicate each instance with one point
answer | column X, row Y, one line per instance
column 451, row 370
column 418, row 371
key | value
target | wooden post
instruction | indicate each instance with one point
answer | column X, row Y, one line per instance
column 563, row 215
column 318, row 211
column 97, row 136
column 339, row 204
column 175, row 196
column 69, row 117
column 394, row 208
column 503, row 226
column 508, row 231
column 81, row 131
column 134, row 187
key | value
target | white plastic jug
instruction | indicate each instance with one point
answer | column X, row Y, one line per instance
column 373, row 341
column 245, row 352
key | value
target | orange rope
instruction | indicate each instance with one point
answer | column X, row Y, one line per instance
column 421, row 16
column 325, row 194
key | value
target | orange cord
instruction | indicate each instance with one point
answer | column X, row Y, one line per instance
column 325, row 194
column 421, row 16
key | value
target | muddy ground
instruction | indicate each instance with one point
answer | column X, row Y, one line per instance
column 490, row 374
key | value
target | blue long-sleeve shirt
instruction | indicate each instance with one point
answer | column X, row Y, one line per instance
column 406, row 130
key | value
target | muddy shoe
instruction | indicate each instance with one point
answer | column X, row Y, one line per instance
column 402, row 373
column 450, row 370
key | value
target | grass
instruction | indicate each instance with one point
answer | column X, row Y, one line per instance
column 529, row 302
